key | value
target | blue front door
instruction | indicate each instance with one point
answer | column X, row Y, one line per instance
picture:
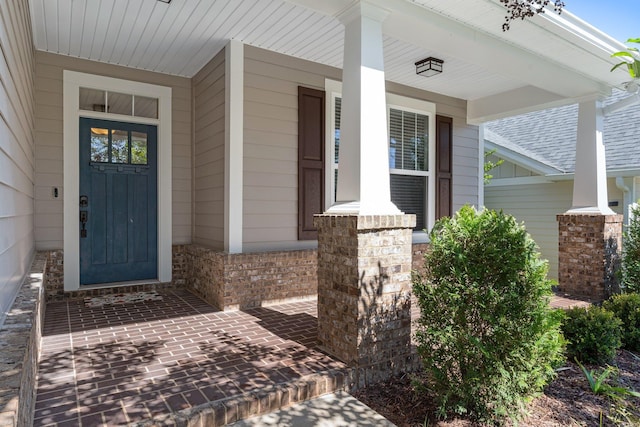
column 118, row 202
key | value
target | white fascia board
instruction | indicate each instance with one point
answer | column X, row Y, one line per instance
column 521, row 160
column 547, row 179
column 522, row 180
column 590, row 37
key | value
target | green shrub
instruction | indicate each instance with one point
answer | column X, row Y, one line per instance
column 593, row 334
column 486, row 335
column 626, row 307
column 631, row 254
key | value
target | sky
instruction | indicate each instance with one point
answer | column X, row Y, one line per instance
column 618, row 18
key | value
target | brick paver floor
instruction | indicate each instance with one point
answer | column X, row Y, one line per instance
column 120, row 364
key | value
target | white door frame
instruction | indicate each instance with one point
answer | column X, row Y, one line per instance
column 73, row 81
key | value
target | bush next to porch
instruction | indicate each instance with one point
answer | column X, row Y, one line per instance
column 486, row 335
column 631, row 254
column 626, row 307
column 592, row 334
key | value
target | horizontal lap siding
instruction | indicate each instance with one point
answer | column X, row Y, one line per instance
column 537, row 206
column 17, row 161
column 270, row 219
column 209, row 146
column 466, row 171
column 270, row 148
column 49, row 143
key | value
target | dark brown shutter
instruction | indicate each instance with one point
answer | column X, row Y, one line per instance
column 444, row 154
column 311, row 117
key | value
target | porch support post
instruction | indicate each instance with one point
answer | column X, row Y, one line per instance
column 364, row 241
column 233, row 146
column 590, row 182
column 364, row 293
column 363, row 183
column 590, row 233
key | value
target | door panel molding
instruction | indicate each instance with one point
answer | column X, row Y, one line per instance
column 72, row 82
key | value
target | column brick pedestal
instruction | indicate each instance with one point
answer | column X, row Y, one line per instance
column 589, row 250
column 364, row 292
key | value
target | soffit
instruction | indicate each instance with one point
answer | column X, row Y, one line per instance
column 481, row 62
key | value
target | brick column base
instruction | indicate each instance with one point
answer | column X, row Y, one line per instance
column 589, row 250
column 364, row 292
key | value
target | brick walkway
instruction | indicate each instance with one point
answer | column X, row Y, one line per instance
column 127, row 363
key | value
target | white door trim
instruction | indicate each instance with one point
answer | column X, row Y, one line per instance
column 73, row 81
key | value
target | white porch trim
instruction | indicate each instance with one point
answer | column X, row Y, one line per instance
column 72, row 82
column 233, row 146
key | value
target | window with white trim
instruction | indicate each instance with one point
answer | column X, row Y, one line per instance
column 411, row 160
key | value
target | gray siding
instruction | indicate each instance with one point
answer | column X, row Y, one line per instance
column 271, row 140
column 49, row 142
column 270, row 177
column 537, row 206
column 16, row 148
column 209, row 153
column 508, row 169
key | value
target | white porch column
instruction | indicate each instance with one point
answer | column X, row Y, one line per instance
column 363, row 177
column 590, row 181
column 233, row 146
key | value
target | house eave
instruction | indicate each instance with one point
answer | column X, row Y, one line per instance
column 551, row 178
column 521, row 160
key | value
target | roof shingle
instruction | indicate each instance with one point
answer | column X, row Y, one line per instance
column 550, row 135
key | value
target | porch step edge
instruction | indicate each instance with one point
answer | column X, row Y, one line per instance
column 257, row 402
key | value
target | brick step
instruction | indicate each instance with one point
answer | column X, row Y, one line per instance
column 257, row 402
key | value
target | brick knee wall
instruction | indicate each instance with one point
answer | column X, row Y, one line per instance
column 19, row 349
column 204, row 273
column 227, row 281
column 237, row 281
column 252, row 279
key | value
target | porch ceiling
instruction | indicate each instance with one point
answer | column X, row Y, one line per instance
column 544, row 61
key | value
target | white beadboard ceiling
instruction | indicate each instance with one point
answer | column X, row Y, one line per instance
column 481, row 61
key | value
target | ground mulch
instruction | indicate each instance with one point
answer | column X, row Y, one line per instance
column 567, row 401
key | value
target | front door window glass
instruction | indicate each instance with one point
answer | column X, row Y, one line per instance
column 138, row 148
column 119, row 146
column 99, row 145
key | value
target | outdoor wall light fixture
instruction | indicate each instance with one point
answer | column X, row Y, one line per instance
column 429, row 67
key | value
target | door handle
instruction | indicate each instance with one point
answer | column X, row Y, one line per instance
column 84, row 217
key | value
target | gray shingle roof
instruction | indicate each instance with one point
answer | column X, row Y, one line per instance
column 551, row 135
